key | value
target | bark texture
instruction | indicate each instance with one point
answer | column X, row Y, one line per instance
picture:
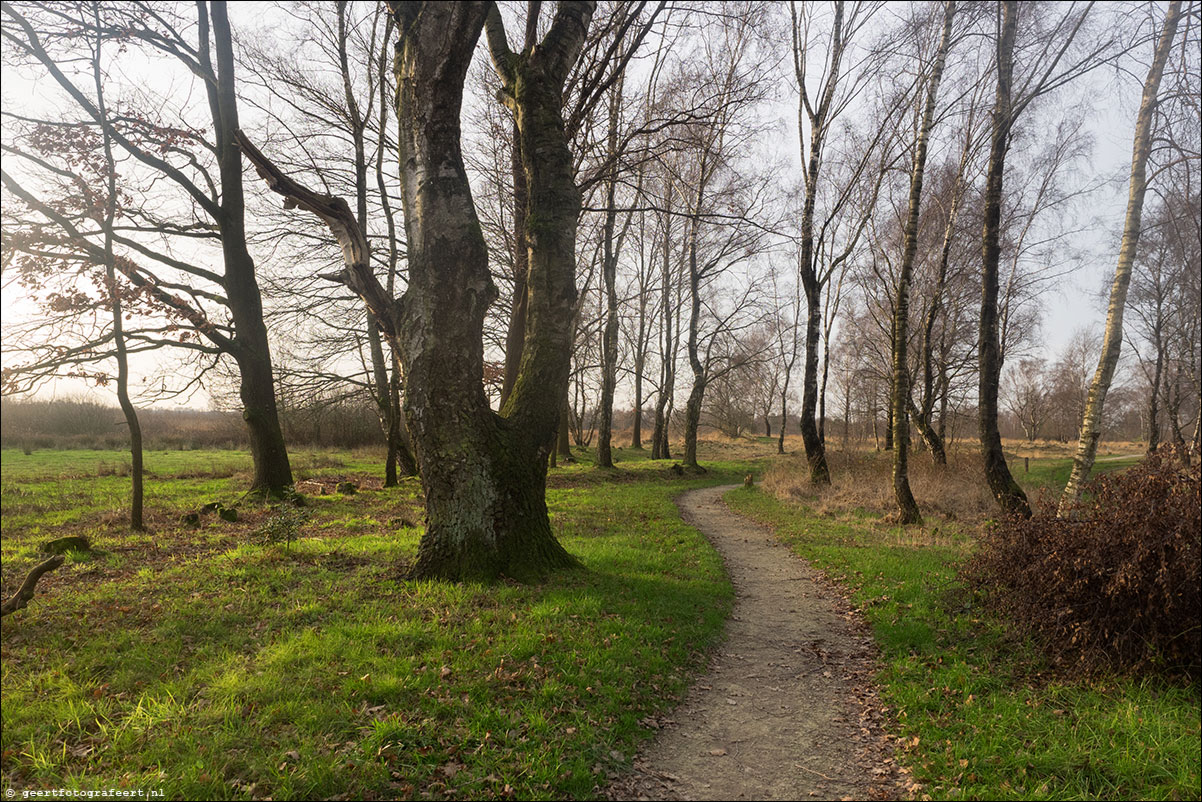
column 1091, row 423
column 907, row 506
column 483, row 473
column 1005, row 490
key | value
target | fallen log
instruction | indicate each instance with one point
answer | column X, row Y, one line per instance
column 25, row 594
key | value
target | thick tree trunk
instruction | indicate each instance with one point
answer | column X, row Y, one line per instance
column 256, row 390
column 1112, row 341
column 1005, row 490
column 484, row 475
column 692, row 421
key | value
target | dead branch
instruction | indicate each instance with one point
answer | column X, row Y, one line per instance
column 23, row 596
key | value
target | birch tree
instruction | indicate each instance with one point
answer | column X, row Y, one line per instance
column 1112, row 340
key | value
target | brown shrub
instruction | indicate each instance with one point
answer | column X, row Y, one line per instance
column 1115, row 585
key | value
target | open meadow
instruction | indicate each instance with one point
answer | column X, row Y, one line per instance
column 284, row 655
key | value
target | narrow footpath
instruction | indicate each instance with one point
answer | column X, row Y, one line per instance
column 787, row 709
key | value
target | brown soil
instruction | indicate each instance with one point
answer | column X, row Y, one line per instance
column 787, row 709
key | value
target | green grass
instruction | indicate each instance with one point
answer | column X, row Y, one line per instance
column 1050, row 474
column 977, row 716
column 208, row 664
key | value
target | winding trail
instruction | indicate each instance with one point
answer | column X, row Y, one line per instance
column 786, row 710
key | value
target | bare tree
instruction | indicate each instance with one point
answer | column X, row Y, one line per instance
column 483, row 473
column 907, row 507
column 1028, row 396
column 1087, row 446
column 181, row 156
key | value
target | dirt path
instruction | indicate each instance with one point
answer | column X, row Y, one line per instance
column 786, row 710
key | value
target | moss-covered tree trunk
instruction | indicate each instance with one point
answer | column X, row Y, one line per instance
column 484, row 474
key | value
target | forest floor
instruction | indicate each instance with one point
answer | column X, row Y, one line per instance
column 787, row 709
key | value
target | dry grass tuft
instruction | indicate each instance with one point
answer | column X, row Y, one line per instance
column 861, row 482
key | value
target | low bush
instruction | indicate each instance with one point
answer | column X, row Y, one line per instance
column 1117, row 583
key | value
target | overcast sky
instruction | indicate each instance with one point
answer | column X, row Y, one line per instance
column 1076, row 303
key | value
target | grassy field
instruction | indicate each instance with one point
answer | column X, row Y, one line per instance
column 978, row 715
column 284, row 656
column 208, row 663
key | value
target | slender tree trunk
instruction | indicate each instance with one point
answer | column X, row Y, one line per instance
column 692, row 419
column 609, row 270
column 907, row 506
column 889, row 420
column 400, row 458
column 924, row 417
column 784, row 419
column 563, row 444
column 381, row 386
column 1154, row 400
column 1005, row 490
column 636, row 428
column 846, row 420
column 1112, row 342
column 814, row 447
column 659, row 438
column 114, row 293
column 516, row 333
column 272, row 471
column 1196, row 444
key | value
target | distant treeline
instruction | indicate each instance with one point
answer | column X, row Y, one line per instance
column 84, row 424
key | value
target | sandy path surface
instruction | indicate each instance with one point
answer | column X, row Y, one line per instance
column 786, row 710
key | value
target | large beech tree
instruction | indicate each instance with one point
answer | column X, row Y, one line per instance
column 483, row 472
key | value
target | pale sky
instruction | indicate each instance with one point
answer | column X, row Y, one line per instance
column 1075, row 304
